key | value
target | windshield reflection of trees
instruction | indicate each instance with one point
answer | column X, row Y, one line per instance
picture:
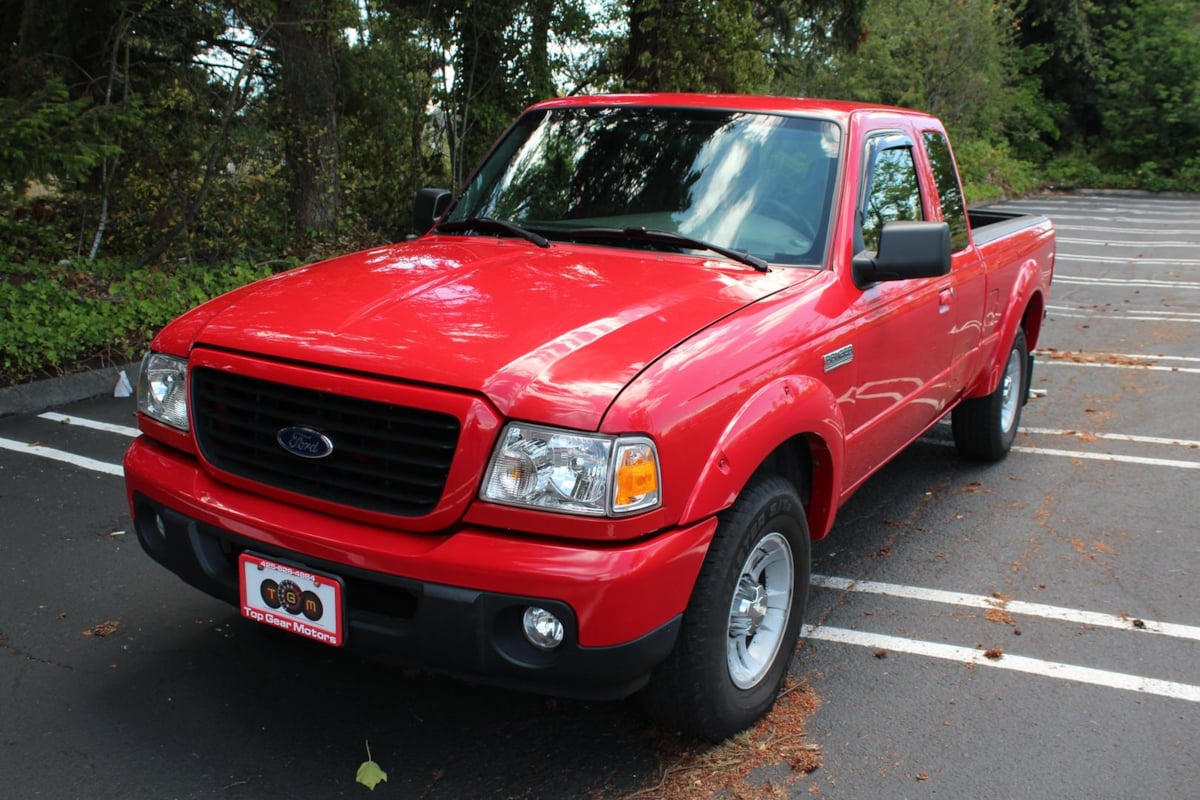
column 700, row 173
column 603, row 163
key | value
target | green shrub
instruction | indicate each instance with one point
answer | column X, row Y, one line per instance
column 989, row 171
column 55, row 317
column 1077, row 170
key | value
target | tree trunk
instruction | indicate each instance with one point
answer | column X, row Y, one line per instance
column 307, row 39
column 644, row 62
column 541, row 82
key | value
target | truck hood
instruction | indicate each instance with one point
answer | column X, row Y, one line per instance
column 543, row 333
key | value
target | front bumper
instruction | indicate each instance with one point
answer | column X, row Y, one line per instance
column 450, row 603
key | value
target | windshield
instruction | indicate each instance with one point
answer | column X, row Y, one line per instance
column 755, row 183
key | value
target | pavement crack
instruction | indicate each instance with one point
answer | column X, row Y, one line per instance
column 7, row 645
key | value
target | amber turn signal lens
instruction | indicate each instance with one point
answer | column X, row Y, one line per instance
column 636, row 478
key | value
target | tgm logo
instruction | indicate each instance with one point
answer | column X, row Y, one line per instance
column 304, row 442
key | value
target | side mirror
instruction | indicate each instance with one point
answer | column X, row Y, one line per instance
column 907, row 250
column 429, row 205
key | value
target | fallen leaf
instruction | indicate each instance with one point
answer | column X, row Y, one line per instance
column 999, row 617
column 369, row 773
column 995, row 654
column 106, row 628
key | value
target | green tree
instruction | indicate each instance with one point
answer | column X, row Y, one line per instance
column 958, row 61
column 966, row 73
column 1149, row 95
column 111, row 137
column 389, row 148
column 501, row 62
column 1066, row 35
column 47, row 135
column 727, row 46
column 308, row 39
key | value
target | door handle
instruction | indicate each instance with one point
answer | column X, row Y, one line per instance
column 945, row 297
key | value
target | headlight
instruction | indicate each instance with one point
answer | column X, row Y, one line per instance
column 577, row 473
column 162, row 389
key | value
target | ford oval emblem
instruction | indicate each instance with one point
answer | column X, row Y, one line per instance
column 304, row 442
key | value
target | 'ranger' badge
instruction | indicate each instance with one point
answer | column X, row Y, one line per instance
column 839, row 357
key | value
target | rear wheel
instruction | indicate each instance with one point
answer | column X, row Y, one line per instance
column 740, row 628
column 984, row 428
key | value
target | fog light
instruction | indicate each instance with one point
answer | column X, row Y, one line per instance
column 160, row 525
column 542, row 629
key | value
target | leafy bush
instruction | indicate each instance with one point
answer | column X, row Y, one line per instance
column 55, row 317
column 1077, row 170
column 989, row 171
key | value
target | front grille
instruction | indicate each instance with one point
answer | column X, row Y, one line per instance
column 385, row 458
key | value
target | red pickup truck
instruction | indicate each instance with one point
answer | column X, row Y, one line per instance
column 577, row 437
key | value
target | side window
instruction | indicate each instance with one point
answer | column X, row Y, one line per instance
column 893, row 192
column 954, row 210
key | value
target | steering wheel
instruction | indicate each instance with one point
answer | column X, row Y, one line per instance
column 776, row 209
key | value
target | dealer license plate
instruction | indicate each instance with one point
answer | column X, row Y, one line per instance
column 296, row 600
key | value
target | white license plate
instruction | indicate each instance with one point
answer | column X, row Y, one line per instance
column 296, row 600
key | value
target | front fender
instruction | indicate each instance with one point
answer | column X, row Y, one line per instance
column 786, row 408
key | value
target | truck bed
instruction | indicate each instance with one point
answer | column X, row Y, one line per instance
column 989, row 224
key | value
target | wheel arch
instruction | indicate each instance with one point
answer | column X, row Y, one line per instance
column 1024, row 311
column 1031, row 320
column 791, row 427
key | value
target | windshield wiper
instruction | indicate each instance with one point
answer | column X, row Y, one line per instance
column 655, row 236
column 491, row 224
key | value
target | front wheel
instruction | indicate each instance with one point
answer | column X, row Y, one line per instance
column 740, row 628
column 984, row 428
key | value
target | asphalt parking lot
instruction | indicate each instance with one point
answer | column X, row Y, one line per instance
column 1023, row 630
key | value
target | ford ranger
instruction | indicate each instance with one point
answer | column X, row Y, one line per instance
column 577, row 436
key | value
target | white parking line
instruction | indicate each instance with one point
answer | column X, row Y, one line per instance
column 107, row 427
column 1110, row 457
column 1124, row 243
column 1123, row 315
column 1088, row 357
column 1088, row 456
column 1117, row 229
column 1131, row 283
column 1145, row 218
column 1085, row 455
column 1020, row 607
column 1031, row 666
column 1062, row 362
column 1168, row 262
column 62, row 455
column 1115, row 437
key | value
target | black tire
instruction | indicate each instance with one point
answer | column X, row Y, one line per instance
column 714, row 683
column 984, row 428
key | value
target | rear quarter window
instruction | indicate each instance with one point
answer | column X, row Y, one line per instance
column 954, row 210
